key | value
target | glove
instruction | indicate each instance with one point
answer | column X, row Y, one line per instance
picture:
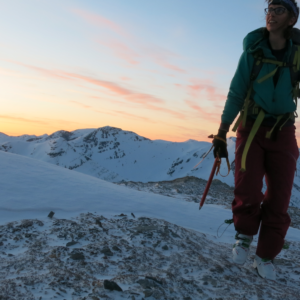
column 220, row 144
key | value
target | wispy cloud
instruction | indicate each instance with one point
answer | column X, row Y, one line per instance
column 122, row 51
column 80, row 104
column 99, row 21
column 211, row 115
column 146, row 100
column 19, row 119
column 126, row 46
column 123, row 113
column 205, row 88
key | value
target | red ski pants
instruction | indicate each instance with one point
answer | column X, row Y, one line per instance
column 276, row 160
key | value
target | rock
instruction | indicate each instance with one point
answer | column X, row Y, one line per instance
column 121, row 215
column 147, row 293
column 147, row 284
column 40, row 223
column 51, row 214
column 116, row 248
column 80, row 235
column 112, row 286
column 156, row 244
column 27, row 223
column 77, row 256
column 154, row 279
column 106, row 251
column 98, row 222
column 71, row 244
column 165, row 247
column 141, row 229
column 175, row 235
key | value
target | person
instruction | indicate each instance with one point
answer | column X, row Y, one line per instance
column 266, row 145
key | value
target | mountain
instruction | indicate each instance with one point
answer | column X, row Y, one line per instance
column 115, row 155
column 150, row 245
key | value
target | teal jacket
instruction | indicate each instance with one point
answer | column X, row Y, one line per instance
column 274, row 100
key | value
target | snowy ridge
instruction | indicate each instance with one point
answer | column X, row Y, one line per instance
column 114, row 155
column 150, row 245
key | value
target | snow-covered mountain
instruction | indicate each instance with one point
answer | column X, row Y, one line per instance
column 150, row 246
column 114, row 155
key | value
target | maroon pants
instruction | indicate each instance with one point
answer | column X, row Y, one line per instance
column 276, row 160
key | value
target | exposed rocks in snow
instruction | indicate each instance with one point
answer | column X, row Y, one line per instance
column 188, row 188
column 147, row 258
column 191, row 189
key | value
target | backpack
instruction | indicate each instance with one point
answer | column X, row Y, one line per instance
column 250, row 107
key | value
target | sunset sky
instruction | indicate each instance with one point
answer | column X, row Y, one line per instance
column 160, row 68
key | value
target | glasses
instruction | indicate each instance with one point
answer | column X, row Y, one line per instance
column 277, row 10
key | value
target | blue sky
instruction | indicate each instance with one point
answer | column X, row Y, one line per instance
column 159, row 68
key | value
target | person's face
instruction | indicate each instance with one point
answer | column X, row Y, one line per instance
column 278, row 22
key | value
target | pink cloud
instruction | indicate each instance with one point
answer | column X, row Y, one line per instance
column 205, row 87
column 134, row 116
column 80, row 104
column 129, row 95
column 96, row 19
column 146, row 100
column 122, row 51
column 161, row 57
column 205, row 114
column 21, row 119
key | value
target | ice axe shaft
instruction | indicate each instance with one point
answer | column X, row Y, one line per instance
column 216, row 164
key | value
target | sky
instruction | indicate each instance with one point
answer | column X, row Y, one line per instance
column 160, row 68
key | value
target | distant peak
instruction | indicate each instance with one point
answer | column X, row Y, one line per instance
column 61, row 133
column 107, row 128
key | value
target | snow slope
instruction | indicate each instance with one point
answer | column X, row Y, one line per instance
column 29, row 189
column 32, row 186
column 114, row 155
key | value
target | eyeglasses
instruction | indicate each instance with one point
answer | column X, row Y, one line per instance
column 277, row 10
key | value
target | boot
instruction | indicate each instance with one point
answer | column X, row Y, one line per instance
column 265, row 268
column 241, row 248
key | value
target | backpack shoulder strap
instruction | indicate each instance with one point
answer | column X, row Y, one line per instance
column 257, row 65
column 294, row 71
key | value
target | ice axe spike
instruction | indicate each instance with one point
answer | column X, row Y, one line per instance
column 216, row 165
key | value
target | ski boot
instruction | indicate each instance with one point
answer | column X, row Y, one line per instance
column 241, row 248
column 265, row 268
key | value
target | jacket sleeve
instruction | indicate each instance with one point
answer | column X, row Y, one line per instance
column 238, row 89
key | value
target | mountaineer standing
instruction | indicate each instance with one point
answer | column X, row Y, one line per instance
column 264, row 89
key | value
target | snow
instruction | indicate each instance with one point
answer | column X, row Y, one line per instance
column 30, row 189
column 35, row 188
column 114, row 155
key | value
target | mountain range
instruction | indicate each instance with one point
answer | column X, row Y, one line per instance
column 116, row 155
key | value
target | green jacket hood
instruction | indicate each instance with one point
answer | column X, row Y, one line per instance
column 255, row 40
column 252, row 39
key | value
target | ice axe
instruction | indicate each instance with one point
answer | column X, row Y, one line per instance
column 215, row 170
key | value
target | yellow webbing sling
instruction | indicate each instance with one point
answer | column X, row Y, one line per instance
column 261, row 114
column 252, row 133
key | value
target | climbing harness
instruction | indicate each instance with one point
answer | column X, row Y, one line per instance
column 250, row 107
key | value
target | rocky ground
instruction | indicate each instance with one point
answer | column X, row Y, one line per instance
column 139, row 258
column 191, row 189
